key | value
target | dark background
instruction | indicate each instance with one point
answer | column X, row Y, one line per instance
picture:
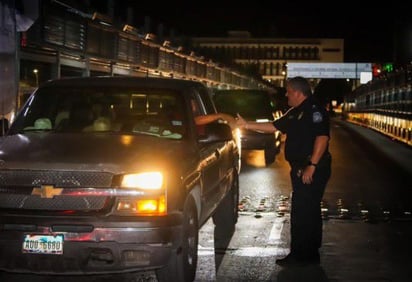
column 370, row 30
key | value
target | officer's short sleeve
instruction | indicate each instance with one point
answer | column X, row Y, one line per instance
column 320, row 122
column 281, row 124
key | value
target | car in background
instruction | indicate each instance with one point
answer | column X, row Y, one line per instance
column 111, row 174
column 253, row 105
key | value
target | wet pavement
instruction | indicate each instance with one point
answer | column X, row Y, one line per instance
column 361, row 249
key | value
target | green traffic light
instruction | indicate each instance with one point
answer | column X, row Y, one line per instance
column 388, row 67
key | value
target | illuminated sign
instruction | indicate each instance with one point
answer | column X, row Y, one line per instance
column 328, row 70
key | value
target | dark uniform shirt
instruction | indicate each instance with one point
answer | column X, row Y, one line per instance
column 302, row 125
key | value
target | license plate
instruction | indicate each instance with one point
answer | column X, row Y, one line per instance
column 43, row 244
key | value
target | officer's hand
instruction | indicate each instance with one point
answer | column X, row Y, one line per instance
column 307, row 175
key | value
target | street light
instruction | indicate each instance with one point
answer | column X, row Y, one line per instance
column 284, row 73
column 36, row 73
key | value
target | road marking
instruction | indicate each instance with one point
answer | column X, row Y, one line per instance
column 246, row 251
column 277, row 228
column 205, row 251
column 260, row 251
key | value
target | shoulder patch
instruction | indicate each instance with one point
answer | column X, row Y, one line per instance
column 317, row 117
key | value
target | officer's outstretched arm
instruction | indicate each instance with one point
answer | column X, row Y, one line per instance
column 256, row 126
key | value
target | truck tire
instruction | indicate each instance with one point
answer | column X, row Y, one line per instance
column 270, row 155
column 183, row 261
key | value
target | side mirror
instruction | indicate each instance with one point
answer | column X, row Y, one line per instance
column 4, row 126
column 216, row 132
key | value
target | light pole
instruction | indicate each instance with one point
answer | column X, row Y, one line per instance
column 284, row 73
column 36, row 73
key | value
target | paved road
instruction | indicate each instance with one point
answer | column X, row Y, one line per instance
column 360, row 248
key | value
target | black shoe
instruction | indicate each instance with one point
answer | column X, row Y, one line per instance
column 315, row 259
column 292, row 260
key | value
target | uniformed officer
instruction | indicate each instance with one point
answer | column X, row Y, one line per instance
column 306, row 125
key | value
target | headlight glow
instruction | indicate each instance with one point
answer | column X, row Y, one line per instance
column 155, row 205
column 145, row 180
column 237, row 134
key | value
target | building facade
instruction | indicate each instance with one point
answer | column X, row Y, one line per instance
column 268, row 57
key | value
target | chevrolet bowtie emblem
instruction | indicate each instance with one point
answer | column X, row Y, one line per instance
column 47, row 191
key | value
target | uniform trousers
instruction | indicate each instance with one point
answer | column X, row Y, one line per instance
column 306, row 218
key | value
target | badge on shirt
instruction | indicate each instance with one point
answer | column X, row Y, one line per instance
column 300, row 115
column 317, row 117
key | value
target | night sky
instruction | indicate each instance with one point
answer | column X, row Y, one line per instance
column 369, row 33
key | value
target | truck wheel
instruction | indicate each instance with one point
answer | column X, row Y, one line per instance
column 183, row 261
column 270, row 155
column 227, row 212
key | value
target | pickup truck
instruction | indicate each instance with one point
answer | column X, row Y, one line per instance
column 112, row 175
